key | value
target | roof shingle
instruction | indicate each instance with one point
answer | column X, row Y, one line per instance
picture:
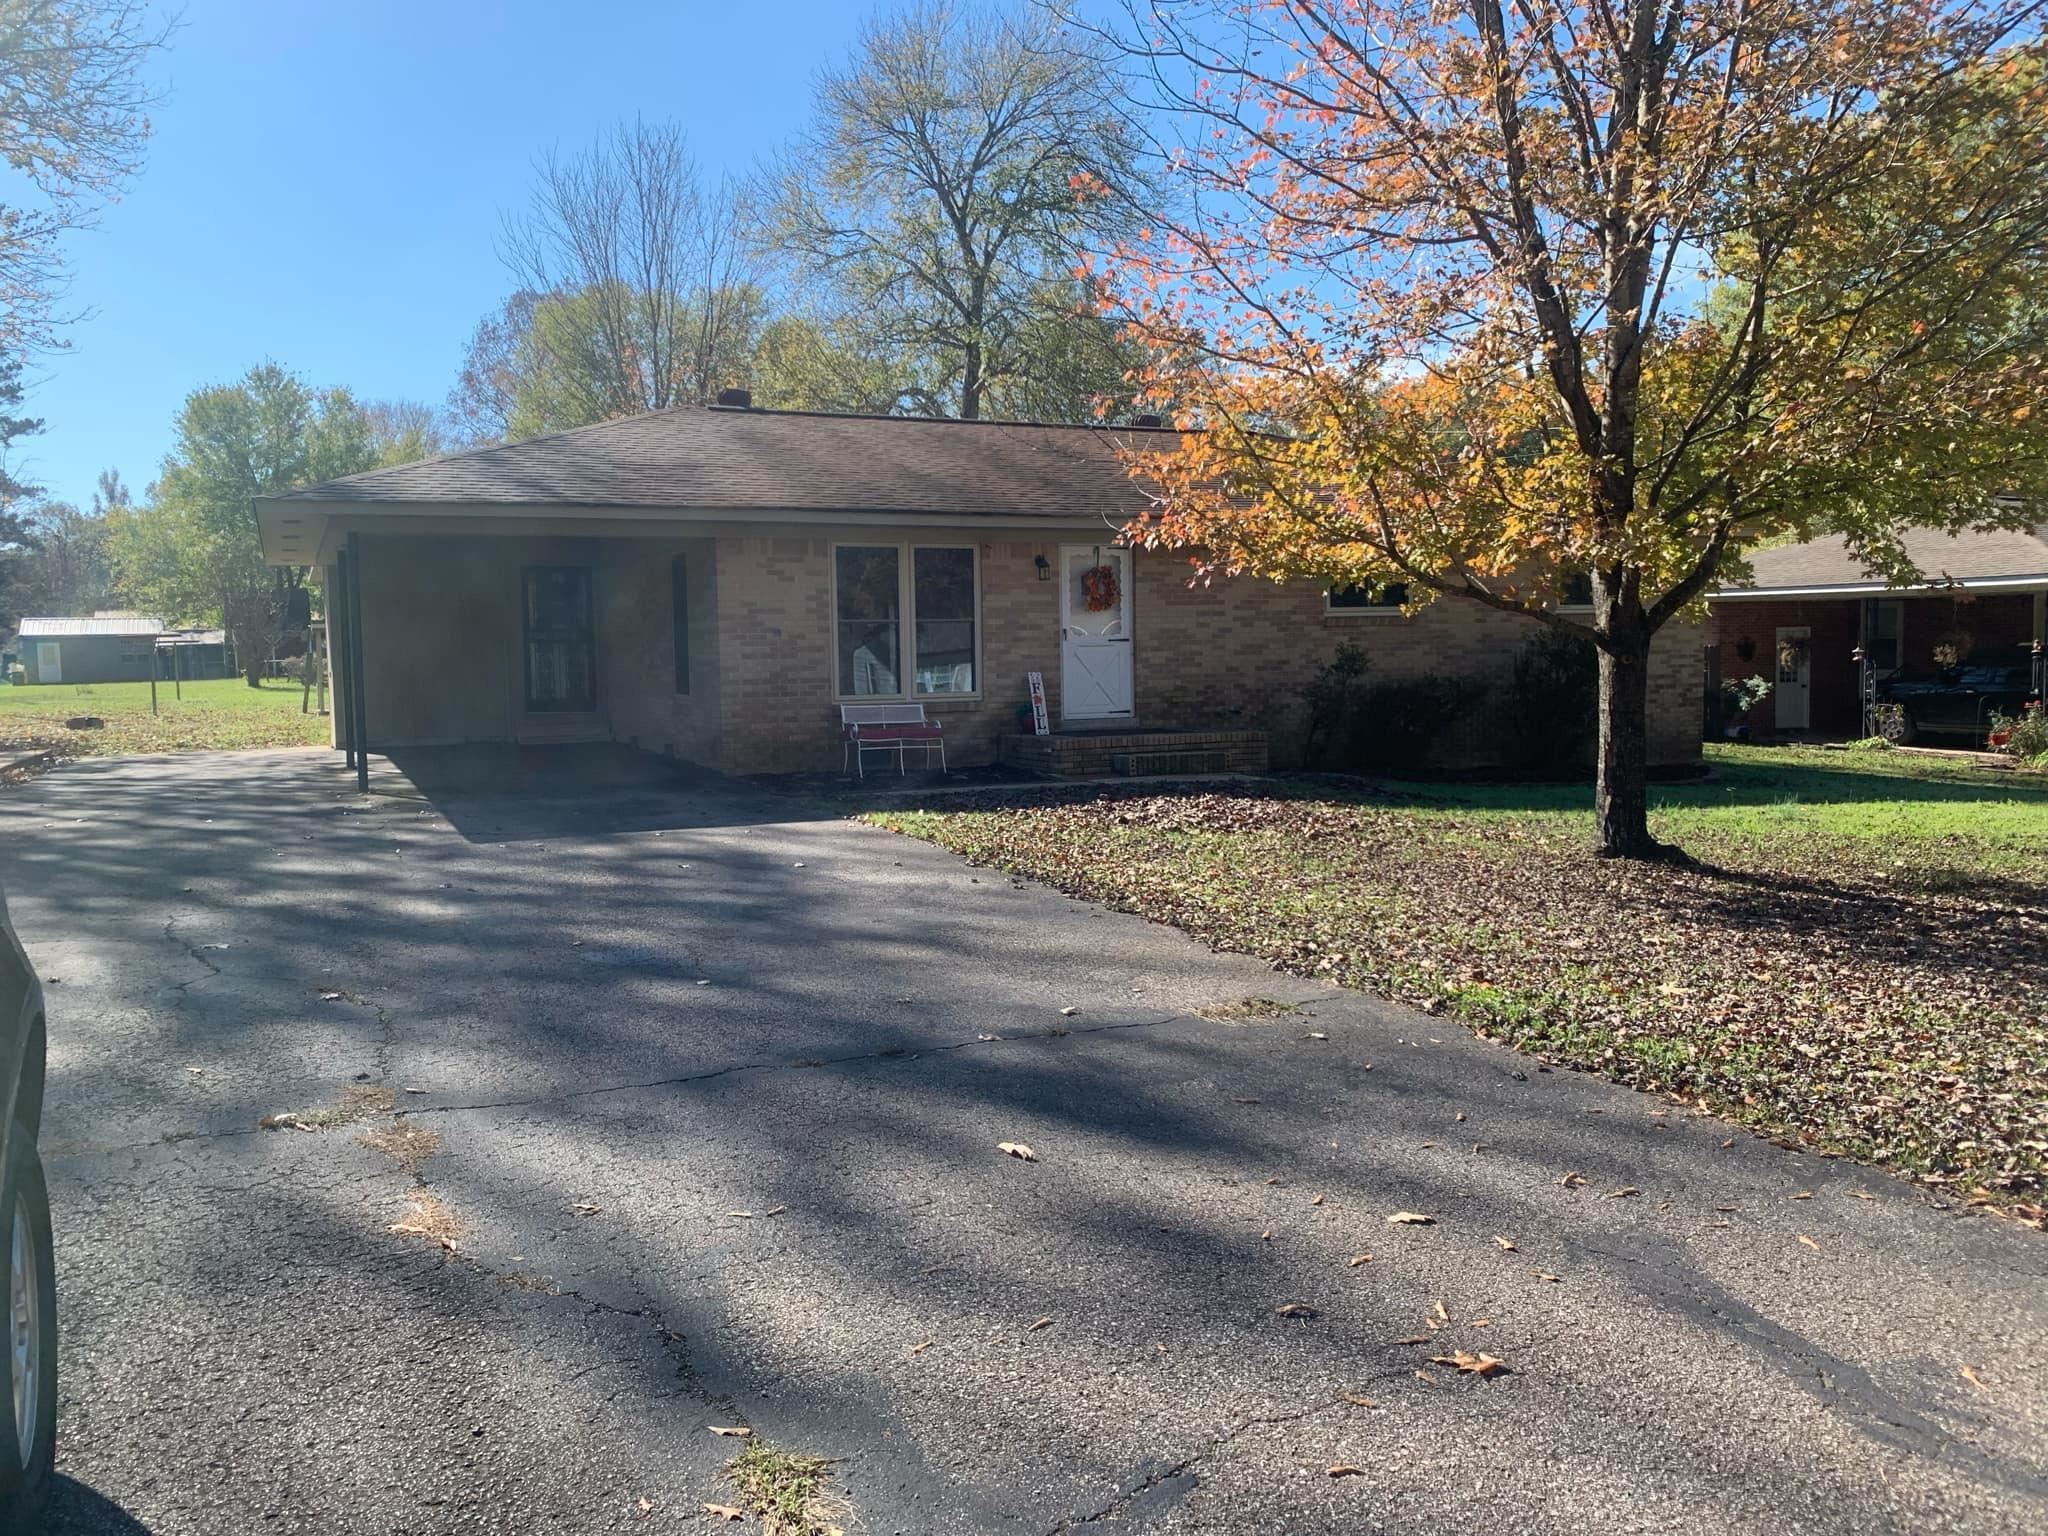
column 1940, row 557
column 716, row 458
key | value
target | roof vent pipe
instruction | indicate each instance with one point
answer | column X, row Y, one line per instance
column 736, row 399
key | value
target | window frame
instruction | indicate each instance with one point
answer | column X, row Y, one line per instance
column 587, row 632
column 906, row 620
column 1368, row 611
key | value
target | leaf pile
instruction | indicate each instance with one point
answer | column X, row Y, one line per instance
column 1882, row 995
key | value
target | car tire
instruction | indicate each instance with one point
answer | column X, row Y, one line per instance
column 1906, row 732
column 30, row 1316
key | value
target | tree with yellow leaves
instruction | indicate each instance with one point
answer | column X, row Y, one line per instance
column 1489, row 297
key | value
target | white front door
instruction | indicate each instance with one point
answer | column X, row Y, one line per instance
column 1795, row 679
column 1095, row 632
column 49, row 662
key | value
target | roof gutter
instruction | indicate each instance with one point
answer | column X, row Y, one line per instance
column 1881, row 589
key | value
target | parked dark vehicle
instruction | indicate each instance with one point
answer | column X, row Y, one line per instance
column 28, row 1409
column 1958, row 701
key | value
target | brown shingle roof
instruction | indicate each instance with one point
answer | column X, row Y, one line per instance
column 1942, row 559
column 714, row 458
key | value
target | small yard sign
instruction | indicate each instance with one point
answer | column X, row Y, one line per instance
column 1041, row 723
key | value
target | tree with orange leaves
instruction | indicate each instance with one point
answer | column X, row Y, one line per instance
column 1491, row 296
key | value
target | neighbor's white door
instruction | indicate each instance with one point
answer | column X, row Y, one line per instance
column 1795, row 679
column 1095, row 632
column 49, row 662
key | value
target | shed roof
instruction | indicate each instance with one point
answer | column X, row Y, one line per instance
column 54, row 628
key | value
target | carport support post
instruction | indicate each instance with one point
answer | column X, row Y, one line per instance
column 337, row 656
column 358, row 699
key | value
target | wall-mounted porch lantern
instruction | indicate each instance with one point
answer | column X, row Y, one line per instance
column 1044, row 567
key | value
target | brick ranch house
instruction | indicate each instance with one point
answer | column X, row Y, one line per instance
column 711, row 583
column 1983, row 601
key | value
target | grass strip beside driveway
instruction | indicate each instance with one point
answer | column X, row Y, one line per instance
column 218, row 715
column 1863, row 961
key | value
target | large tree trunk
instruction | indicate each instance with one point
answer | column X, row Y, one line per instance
column 1621, row 791
column 970, row 383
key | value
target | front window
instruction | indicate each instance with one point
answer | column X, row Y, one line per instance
column 945, row 620
column 880, row 619
column 1381, row 597
column 868, row 583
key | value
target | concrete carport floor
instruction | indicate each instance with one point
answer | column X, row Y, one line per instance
column 705, row 1098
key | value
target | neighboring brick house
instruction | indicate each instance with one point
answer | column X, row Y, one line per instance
column 712, row 583
column 1983, row 601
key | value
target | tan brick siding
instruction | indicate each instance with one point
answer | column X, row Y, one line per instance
column 1235, row 653
column 443, row 636
column 1239, row 651
column 636, row 646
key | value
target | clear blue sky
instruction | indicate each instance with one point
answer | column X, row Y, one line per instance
column 325, row 181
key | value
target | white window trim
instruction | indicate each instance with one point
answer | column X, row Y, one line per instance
column 906, row 638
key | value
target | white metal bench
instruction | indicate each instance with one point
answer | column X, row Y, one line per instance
column 887, row 728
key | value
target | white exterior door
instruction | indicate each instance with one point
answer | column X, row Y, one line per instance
column 1794, row 687
column 1095, row 632
column 49, row 662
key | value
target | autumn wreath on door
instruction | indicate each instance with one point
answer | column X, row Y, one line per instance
column 1099, row 588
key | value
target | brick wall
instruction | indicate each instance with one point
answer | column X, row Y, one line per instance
column 1238, row 652
column 1753, row 626
column 636, row 646
column 442, row 638
column 1997, row 627
column 1234, row 654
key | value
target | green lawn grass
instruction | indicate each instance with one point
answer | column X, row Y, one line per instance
column 217, row 715
column 1791, row 802
column 1861, row 957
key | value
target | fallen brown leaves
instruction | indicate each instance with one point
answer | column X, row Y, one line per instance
column 1473, row 1365
column 406, row 1144
column 427, row 1217
column 1883, row 996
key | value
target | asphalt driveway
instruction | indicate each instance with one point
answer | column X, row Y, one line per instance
column 686, row 1112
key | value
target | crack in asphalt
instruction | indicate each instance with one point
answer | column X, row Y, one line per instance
column 1185, row 1467
column 1833, row 1381
column 894, row 1053
column 194, row 951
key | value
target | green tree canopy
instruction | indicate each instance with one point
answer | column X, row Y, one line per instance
column 934, row 210
column 193, row 552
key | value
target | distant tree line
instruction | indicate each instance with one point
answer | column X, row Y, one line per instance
column 915, row 250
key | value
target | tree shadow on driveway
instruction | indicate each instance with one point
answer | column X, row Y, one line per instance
column 76, row 1510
